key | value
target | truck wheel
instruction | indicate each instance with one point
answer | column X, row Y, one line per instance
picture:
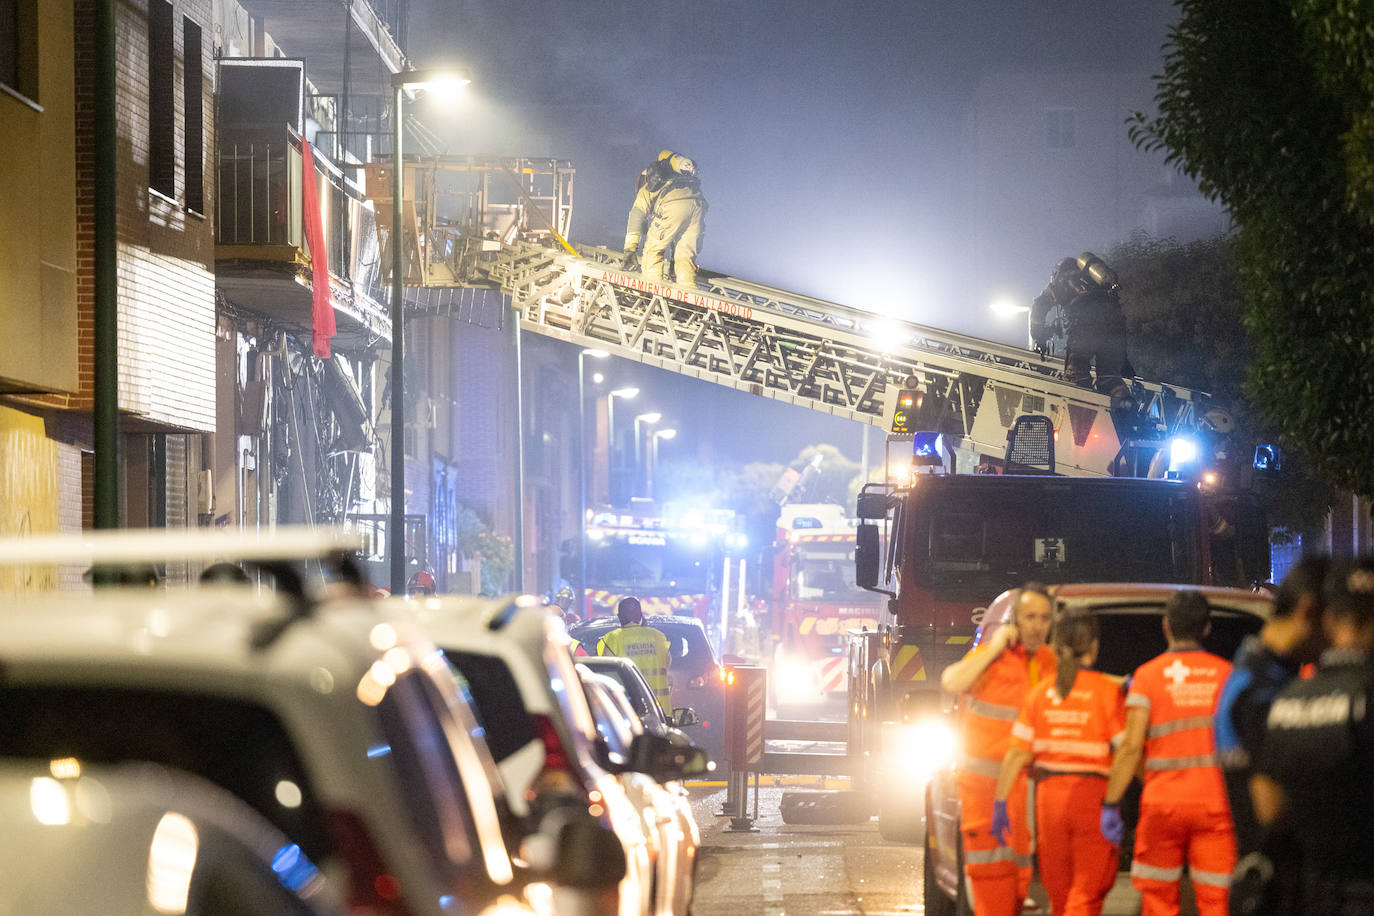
column 901, row 820
column 936, row 902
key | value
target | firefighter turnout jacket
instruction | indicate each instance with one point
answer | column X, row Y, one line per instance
column 648, row 649
column 998, row 876
column 1184, row 815
column 1070, row 740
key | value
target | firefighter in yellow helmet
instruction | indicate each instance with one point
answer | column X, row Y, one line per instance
column 641, row 644
column 670, row 203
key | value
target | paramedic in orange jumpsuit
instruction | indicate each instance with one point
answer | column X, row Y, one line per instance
column 992, row 681
column 1184, row 814
column 1067, row 729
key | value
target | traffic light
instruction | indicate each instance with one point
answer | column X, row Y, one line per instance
column 910, row 401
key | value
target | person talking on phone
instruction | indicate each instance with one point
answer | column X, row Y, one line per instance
column 992, row 681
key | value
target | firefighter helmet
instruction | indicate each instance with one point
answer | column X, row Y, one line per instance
column 563, row 598
column 421, row 582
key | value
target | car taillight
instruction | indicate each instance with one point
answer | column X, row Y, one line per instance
column 555, row 755
column 372, row 889
column 697, row 682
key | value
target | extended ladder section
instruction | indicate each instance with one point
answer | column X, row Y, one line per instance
column 834, row 359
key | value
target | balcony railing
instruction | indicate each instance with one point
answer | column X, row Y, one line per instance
column 260, row 203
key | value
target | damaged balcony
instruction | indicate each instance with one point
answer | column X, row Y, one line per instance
column 262, row 260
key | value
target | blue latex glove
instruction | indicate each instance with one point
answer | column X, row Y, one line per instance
column 1001, row 823
column 1111, row 825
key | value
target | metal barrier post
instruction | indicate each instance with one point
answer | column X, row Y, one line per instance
column 746, row 692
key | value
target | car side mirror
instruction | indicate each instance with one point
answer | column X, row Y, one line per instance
column 666, row 761
column 589, row 855
column 684, row 716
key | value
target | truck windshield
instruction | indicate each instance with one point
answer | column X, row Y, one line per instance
column 827, row 576
column 1053, row 531
column 676, row 566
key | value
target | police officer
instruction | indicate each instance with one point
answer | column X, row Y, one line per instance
column 1317, row 762
column 1088, row 295
column 993, row 681
column 1184, row 816
column 1265, row 878
column 671, row 204
column 641, row 644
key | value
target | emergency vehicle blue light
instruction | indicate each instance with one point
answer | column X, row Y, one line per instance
column 1181, row 452
column 806, row 521
column 380, row 750
column 925, row 445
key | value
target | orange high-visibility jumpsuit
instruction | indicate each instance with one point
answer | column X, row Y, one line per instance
column 997, row 877
column 1071, row 741
column 1184, row 814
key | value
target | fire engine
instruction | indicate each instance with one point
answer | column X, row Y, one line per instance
column 670, row 559
column 955, row 541
column 814, row 603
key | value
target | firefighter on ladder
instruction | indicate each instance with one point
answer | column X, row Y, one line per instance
column 993, row 681
column 1184, row 814
column 1067, row 729
column 670, row 202
column 641, row 644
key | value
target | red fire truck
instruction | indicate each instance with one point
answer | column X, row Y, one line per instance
column 670, row 559
column 814, row 603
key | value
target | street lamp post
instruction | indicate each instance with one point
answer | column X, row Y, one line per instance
column 396, row 536
column 628, row 394
column 582, row 474
column 648, row 419
column 653, row 453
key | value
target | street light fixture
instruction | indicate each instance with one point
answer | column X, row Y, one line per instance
column 648, row 419
column 653, row 452
column 627, row 394
column 594, row 353
column 412, row 80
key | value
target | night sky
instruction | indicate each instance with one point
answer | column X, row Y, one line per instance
column 829, row 137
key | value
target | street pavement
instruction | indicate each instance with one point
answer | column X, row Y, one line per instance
column 812, row 870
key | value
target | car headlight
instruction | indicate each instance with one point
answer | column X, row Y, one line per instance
column 922, row 748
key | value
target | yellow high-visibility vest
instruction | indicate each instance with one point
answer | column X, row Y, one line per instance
column 648, row 649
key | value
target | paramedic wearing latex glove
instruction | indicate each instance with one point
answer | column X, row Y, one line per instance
column 1066, row 730
column 992, row 682
column 1184, row 814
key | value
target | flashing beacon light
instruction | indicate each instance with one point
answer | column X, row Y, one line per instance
column 1183, row 453
column 909, row 400
column 927, row 449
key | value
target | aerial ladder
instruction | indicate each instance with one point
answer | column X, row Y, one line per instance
column 502, row 224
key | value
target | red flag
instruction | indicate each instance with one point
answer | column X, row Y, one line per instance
column 322, row 306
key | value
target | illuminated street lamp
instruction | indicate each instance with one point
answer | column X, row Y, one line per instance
column 648, row 419
column 653, row 452
column 412, row 80
column 582, row 472
column 627, row 394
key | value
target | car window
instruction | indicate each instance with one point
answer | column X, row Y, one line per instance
column 1129, row 640
column 691, row 651
column 637, row 690
column 496, row 698
column 418, row 747
column 609, row 723
column 239, row 746
column 230, row 880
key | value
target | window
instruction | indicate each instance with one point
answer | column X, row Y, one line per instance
column 162, row 167
column 1059, row 124
column 18, row 47
column 193, row 125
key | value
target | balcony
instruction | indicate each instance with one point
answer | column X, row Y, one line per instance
column 262, row 262
column 306, row 29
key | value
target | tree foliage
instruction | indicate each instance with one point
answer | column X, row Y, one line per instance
column 1184, row 309
column 1269, row 105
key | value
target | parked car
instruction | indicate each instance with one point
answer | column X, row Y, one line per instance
column 694, row 672
column 338, row 721
column 641, row 697
column 512, row 656
column 664, row 806
column 117, row 840
column 1131, row 635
